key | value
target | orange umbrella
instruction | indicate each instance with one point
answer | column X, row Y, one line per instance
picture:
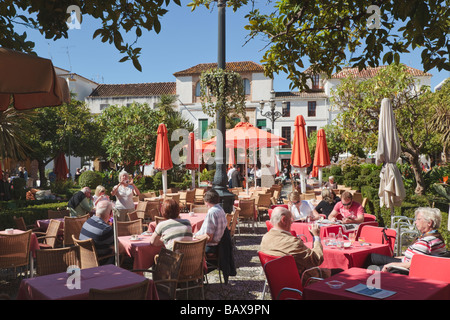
column 300, row 156
column 61, row 169
column 30, row 80
column 321, row 156
column 163, row 160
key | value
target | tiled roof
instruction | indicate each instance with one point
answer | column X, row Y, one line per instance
column 309, row 94
column 370, row 72
column 134, row 89
column 241, row 66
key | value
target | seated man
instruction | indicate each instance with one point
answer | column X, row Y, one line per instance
column 98, row 229
column 215, row 222
column 330, row 184
column 351, row 211
column 280, row 242
column 80, row 203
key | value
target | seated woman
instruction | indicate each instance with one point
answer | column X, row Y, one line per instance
column 430, row 242
column 325, row 206
column 300, row 209
column 174, row 228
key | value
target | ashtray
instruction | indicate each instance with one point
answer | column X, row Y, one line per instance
column 334, row 284
column 347, row 244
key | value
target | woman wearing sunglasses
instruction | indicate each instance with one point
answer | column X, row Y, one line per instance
column 351, row 211
column 300, row 209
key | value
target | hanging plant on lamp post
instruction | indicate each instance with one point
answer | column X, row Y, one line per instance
column 222, row 91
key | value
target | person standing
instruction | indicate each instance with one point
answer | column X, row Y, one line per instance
column 80, row 203
column 124, row 193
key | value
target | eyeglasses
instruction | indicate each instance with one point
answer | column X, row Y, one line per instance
column 347, row 204
column 296, row 202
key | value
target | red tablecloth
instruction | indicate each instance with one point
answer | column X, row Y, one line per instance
column 196, row 221
column 406, row 288
column 142, row 252
column 54, row 286
column 347, row 258
column 303, row 228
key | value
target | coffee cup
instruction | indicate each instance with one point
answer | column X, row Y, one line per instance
column 9, row 231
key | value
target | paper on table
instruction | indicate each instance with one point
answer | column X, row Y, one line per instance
column 374, row 292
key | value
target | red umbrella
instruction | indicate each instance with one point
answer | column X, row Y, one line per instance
column 61, row 169
column 30, row 80
column 300, row 156
column 321, row 156
column 163, row 160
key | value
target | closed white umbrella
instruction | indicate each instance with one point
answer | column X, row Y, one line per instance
column 392, row 191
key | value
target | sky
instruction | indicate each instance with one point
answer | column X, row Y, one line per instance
column 186, row 39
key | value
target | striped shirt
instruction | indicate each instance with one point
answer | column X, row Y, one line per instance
column 215, row 224
column 102, row 234
column 429, row 245
column 174, row 229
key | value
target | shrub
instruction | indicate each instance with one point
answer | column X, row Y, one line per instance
column 90, row 179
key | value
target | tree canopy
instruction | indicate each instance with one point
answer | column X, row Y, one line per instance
column 330, row 34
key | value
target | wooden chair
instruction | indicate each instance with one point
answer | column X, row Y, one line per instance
column 159, row 219
column 199, row 209
column 72, row 226
column 191, row 273
column 364, row 202
column 175, row 197
column 21, row 225
column 276, row 196
column 308, row 196
column 357, row 197
column 137, row 291
column 246, row 212
column 51, row 236
column 232, row 219
column 165, row 273
column 199, row 193
column 55, row 214
column 144, row 195
column 153, row 205
column 128, row 228
column 15, row 250
column 263, row 203
column 56, row 260
column 141, row 208
column 188, row 200
column 88, row 254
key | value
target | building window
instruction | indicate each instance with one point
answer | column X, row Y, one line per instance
column 246, row 86
column 315, row 82
column 261, row 123
column 311, row 130
column 202, row 127
column 103, row 106
column 197, row 89
column 286, row 109
column 286, row 133
column 311, row 108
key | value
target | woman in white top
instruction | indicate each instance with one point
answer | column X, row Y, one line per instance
column 300, row 209
column 124, row 193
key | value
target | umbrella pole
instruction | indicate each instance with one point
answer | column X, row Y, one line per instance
column 116, row 240
column 302, row 180
column 193, row 178
column 164, row 181
column 320, row 177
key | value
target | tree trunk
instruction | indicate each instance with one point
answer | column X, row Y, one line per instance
column 42, row 176
column 417, row 168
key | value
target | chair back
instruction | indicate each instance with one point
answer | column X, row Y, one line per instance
column 15, row 249
column 369, row 217
column 308, row 196
column 88, row 253
column 52, row 233
column 193, row 257
column 190, row 196
column 128, row 228
column 20, row 223
column 199, row 209
column 72, row 226
column 141, row 210
column 373, row 233
column 132, row 216
column 199, row 193
column 51, row 261
column 283, row 278
column 166, row 272
column 138, row 291
column 55, row 214
column 430, row 267
column 175, row 197
column 153, row 205
column 263, row 200
column 144, row 195
column 357, row 197
column 232, row 219
column 247, row 208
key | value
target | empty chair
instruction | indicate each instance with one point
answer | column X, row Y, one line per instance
column 430, row 267
column 21, row 225
column 246, row 209
column 139, row 213
column 138, row 291
column 263, row 203
column 165, row 273
column 264, row 258
column 50, row 239
column 72, row 226
column 128, row 228
column 15, row 250
column 283, row 278
column 56, row 260
column 199, row 193
column 88, row 254
column 191, row 273
column 189, row 200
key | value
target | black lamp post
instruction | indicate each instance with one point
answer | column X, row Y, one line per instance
column 272, row 114
column 220, row 178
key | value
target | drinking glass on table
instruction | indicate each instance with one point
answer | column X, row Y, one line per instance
column 361, row 241
column 332, row 239
column 352, row 237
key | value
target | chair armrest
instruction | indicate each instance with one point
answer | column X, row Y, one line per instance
column 290, row 290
